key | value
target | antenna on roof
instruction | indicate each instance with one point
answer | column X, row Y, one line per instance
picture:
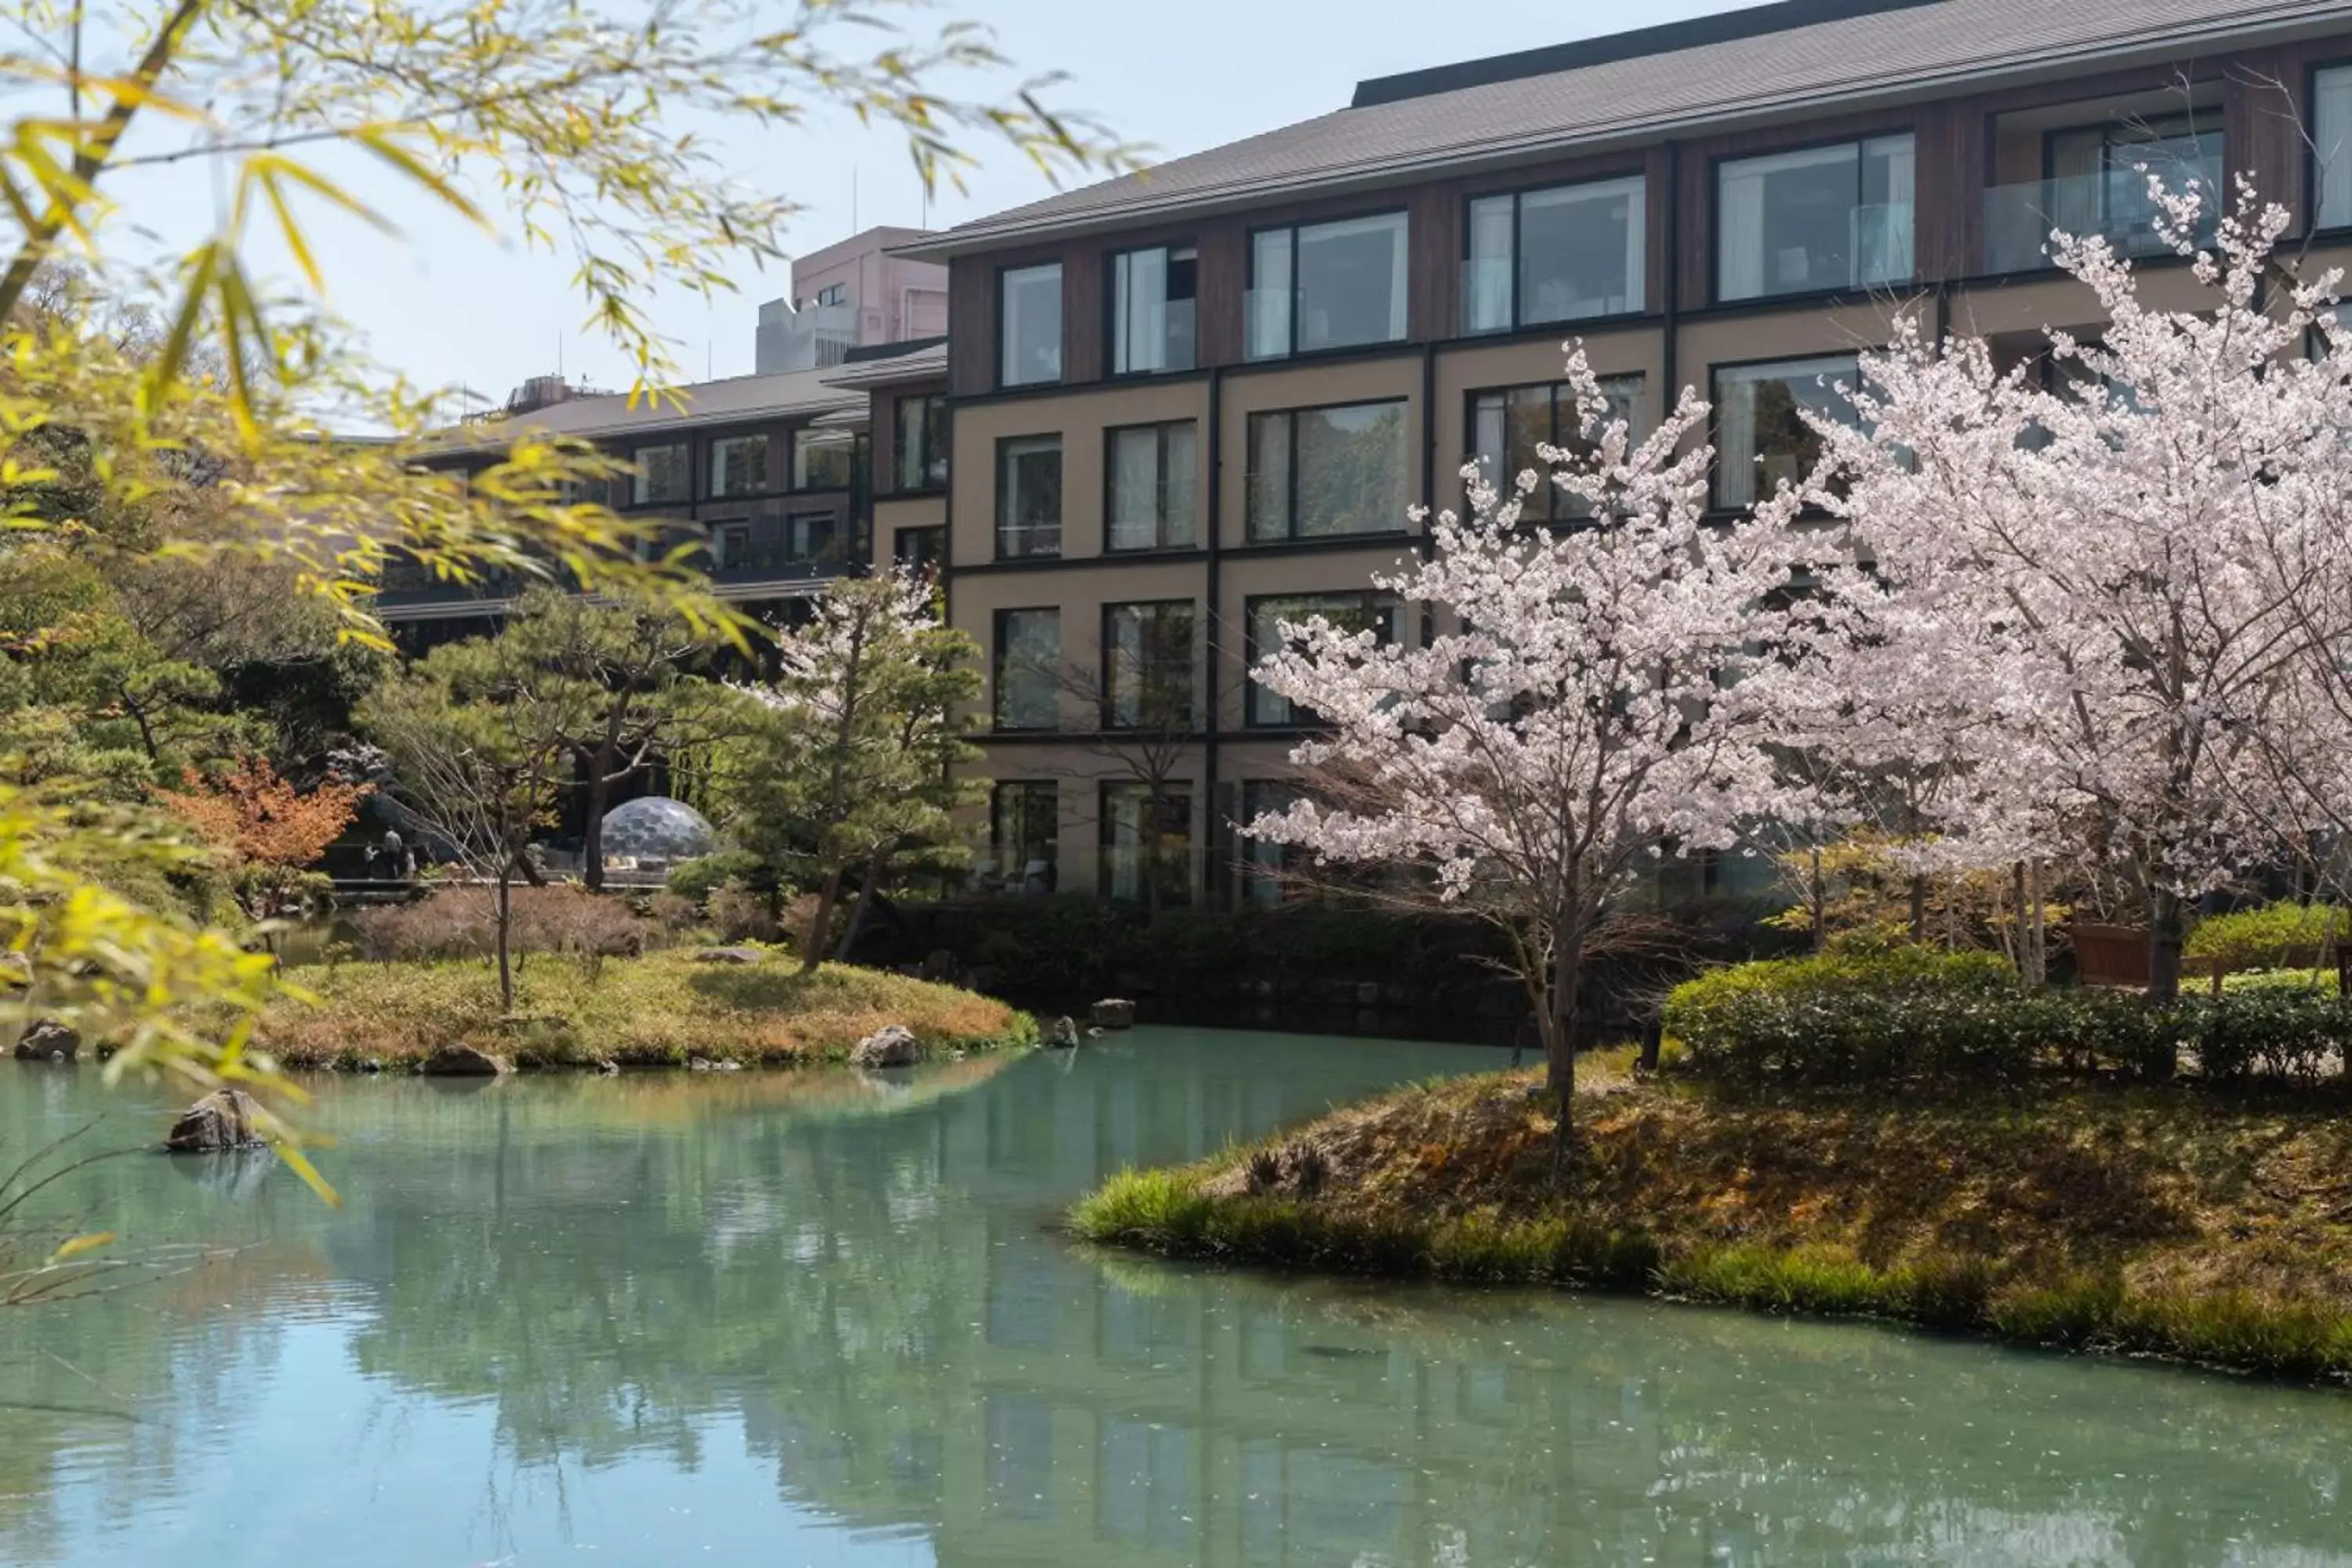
column 853, row 198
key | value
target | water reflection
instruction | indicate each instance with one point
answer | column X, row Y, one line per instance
column 755, row 1319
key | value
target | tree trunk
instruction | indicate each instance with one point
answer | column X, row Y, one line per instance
column 592, row 838
column 1821, row 931
column 1562, row 1027
column 1919, row 909
column 2166, row 919
column 506, row 929
column 813, row 948
column 2040, row 975
column 867, row 892
column 2021, row 920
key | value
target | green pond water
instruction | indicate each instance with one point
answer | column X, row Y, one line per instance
column 824, row 1320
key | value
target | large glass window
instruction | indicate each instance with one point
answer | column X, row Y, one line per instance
column 1028, row 669
column 1025, row 820
column 1151, row 310
column 664, row 475
column 1265, row 865
column 1318, row 472
column 824, row 460
column 1763, row 438
column 739, row 466
column 1362, row 610
column 1506, row 427
column 2331, row 146
column 1823, row 218
column 1147, row 666
column 730, row 546
column 2099, row 176
column 812, row 536
column 1154, row 486
column 1028, row 496
column 1147, row 842
column 919, row 549
column 1030, row 324
column 921, row 443
column 1561, row 255
column 1327, row 286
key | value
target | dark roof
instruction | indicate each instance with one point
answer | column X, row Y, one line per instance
column 1611, row 94
column 1667, row 38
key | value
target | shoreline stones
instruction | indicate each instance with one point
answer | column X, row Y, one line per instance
column 892, row 1046
column 730, row 956
column 1064, row 1036
column 49, row 1040
column 464, row 1061
column 223, row 1120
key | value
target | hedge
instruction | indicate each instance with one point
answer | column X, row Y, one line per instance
column 1919, row 1015
column 2283, row 935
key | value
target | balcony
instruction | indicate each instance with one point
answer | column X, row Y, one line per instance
column 2114, row 205
column 1267, row 323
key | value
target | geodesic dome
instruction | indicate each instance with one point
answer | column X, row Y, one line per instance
column 659, row 828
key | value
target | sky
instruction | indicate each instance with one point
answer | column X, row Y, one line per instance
column 450, row 306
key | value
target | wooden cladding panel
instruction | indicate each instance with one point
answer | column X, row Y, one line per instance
column 971, row 315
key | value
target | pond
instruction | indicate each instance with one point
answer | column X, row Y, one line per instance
column 819, row 1319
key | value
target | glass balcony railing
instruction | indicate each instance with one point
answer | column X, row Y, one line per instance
column 1486, row 294
column 1267, row 323
column 2113, row 203
column 1882, row 243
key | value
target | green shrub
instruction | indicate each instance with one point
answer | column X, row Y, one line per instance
column 743, row 914
column 2283, row 935
column 698, row 880
column 1963, row 1017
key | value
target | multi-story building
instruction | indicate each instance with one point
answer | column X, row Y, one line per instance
column 768, row 473
column 1180, row 406
column 856, row 294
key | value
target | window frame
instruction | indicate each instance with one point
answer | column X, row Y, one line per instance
column 1180, row 891
column 1110, row 692
column 1159, row 521
column 1114, row 337
column 1061, row 457
column 1639, row 178
column 1471, row 399
column 1715, row 166
column 1292, row 350
column 725, row 528
column 1375, row 599
column 1715, row 505
column 1061, row 325
column 848, row 445
column 1291, row 537
column 997, row 622
column 2340, row 64
column 899, row 558
column 636, row 480
column 933, row 427
column 1052, row 789
column 715, row 445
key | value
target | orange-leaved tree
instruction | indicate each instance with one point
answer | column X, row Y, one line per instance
column 268, row 833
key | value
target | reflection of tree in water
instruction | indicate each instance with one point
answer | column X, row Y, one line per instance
column 874, row 1303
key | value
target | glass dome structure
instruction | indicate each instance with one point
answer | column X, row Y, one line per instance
column 659, row 828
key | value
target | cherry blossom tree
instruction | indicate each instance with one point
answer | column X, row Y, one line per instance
column 1579, row 712
column 2106, row 571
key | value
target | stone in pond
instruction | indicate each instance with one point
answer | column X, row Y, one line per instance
column 224, row 1118
column 891, row 1047
column 1112, row 1013
column 49, row 1040
column 464, row 1061
column 730, row 956
column 1064, row 1036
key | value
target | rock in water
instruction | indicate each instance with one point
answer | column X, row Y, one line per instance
column 1064, row 1036
column 464, row 1061
column 224, row 1118
column 1112, row 1013
column 894, row 1046
column 49, row 1040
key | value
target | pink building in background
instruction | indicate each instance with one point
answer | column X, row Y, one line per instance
column 852, row 295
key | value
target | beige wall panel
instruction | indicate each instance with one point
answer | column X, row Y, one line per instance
column 1313, row 387
column 2059, row 302
column 1081, row 420
column 890, row 516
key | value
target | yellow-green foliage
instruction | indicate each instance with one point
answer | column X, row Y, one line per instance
column 660, row 1010
column 2275, row 936
column 2151, row 1223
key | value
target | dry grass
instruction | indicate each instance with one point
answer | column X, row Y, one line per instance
column 663, row 1009
column 2153, row 1221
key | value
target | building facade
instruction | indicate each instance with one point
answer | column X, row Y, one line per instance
column 1180, row 407
column 852, row 295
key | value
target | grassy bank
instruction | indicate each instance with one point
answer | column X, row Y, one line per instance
column 661, row 1010
column 2150, row 1222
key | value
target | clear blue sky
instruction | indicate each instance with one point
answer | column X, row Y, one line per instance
column 449, row 305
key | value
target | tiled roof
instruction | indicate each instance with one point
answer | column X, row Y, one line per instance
column 742, row 397
column 1852, row 57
